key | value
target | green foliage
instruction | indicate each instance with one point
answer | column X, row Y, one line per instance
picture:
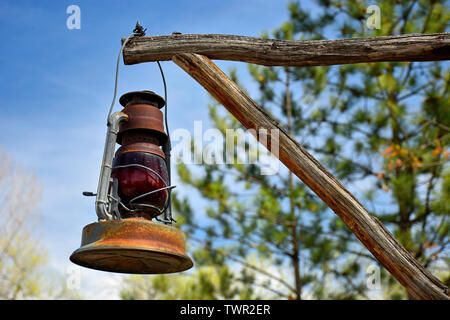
column 206, row 283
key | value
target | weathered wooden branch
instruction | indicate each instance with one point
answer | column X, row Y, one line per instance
column 380, row 242
column 269, row 52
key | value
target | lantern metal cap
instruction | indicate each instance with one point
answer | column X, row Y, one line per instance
column 133, row 245
column 142, row 97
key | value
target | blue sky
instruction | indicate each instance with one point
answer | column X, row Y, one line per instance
column 57, row 85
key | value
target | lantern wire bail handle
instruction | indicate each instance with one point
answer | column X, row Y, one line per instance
column 138, row 31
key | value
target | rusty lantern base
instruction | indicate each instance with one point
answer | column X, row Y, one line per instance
column 133, row 245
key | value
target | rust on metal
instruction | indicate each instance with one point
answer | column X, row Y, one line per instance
column 140, row 146
column 133, row 245
column 142, row 97
column 144, row 130
column 143, row 118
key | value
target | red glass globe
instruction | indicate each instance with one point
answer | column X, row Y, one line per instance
column 135, row 181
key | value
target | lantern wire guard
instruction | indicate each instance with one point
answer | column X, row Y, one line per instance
column 131, row 244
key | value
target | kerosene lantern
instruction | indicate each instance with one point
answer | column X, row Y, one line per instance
column 134, row 233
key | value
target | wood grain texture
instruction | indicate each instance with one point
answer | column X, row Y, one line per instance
column 269, row 52
column 374, row 236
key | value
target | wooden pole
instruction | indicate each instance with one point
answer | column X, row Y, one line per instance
column 270, row 52
column 373, row 235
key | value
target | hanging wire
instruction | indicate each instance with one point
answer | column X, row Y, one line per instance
column 165, row 97
column 117, row 75
column 138, row 31
column 167, row 148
